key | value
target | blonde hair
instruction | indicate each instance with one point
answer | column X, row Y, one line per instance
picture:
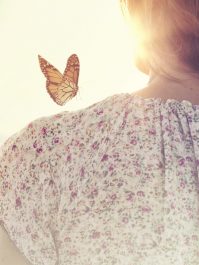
column 170, row 29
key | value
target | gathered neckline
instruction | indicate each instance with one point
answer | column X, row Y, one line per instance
column 169, row 101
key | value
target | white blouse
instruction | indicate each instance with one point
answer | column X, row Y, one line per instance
column 115, row 183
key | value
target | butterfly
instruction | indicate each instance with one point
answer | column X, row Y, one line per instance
column 64, row 87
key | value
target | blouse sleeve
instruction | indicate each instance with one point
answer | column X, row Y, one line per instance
column 38, row 166
column 25, row 186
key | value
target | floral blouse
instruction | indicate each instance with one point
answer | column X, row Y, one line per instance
column 115, row 183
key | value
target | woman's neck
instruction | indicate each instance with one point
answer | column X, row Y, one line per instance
column 186, row 82
column 186, row 88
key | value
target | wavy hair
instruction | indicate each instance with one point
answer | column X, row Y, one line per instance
column 166, row 29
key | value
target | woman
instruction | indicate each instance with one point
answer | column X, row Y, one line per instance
column 117, row 182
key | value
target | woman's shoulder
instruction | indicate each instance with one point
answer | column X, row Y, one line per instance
column 48, row 131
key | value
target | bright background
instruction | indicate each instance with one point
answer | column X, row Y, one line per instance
column 95, row 30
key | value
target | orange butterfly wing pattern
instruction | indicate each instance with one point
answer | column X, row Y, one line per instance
column 72, row 69
column 64, row 87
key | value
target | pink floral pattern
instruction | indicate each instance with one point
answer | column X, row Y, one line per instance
column 115, row 183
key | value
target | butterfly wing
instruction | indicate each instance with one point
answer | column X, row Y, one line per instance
column 54, row 78
column 69, row 86
column 66, row 91
column 71, row 72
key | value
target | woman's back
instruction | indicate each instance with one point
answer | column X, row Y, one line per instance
column 116, row 183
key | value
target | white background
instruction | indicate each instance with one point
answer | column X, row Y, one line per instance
column 95, row 30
